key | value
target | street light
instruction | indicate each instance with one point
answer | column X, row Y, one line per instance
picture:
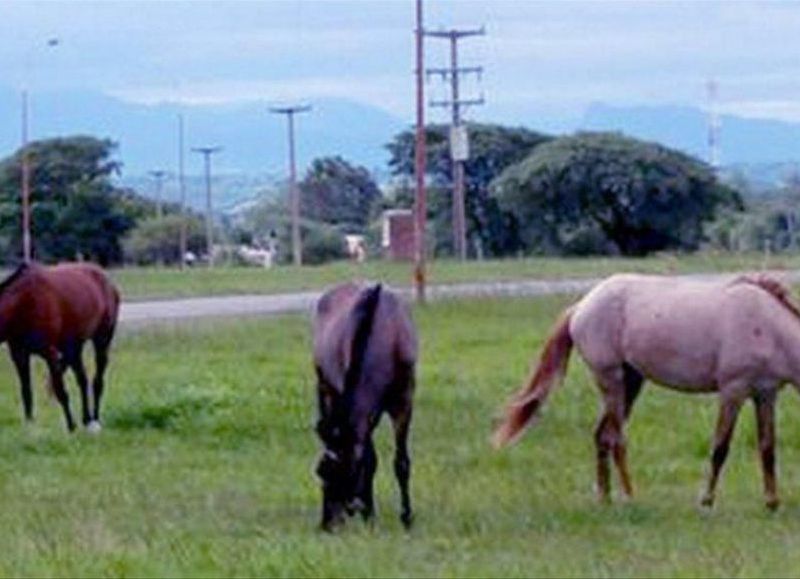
column 158, row 176
column 207, row 152
column 26, row 160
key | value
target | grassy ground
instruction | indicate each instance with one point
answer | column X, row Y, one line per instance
column 205, row 468
column 149, row 283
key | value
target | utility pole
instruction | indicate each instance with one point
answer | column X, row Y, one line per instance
column 713, row 126
column 182, row 245
column 26, row 160
column 159, row 175
column 207, row 152
column 459, row 145
column 420, row 204
column 294, row 194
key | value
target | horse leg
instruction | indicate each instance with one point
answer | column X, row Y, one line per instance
column 57, row 381
column 370, row 465
column 22, row 361
column 609, row 437
column 75, row 362
column 726, row 422
column 633, row 385
column 765, row 420
column 401, row 420
column 101, row 345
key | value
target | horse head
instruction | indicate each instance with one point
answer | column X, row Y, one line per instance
column 337, row 468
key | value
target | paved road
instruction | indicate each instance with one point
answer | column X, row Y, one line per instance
column 138, row 313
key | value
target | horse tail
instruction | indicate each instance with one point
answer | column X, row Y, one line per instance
column 363, row 317
column 525, row 405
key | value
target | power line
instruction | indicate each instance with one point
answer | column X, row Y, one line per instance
column 294, row 194
column 207, row 152
column 459, row 144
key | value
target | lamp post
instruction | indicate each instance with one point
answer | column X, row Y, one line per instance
column 207, row 152
column 26, row 159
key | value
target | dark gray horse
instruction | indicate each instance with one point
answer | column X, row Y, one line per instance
column 365, row 352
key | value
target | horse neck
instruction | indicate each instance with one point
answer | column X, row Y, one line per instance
column 9, row 304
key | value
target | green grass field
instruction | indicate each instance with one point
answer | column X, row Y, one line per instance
column 205, row 468
column 155, row 283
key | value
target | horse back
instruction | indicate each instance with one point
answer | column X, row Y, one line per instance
column 72, row 300
column 392, row 337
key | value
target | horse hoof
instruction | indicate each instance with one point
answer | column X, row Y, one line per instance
column 773, row 504
column 94, row 427
column 407, row 519
column 707, row 502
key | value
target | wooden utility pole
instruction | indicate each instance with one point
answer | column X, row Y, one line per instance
column 420, row 204
column 459, row 150
column 207, row 152
column 294, row 194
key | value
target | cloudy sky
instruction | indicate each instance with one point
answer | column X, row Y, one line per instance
column 551, row 57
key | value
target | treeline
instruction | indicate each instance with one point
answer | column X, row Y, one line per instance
column 78, row 213
column 527, row 193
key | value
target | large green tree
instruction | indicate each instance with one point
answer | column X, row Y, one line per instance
column 76, row 211
column 607, row 193
column 336, row 192
column 492, row 149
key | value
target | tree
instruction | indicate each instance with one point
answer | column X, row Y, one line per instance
column 492, row 149
column 157, row 240
column 336, row 192
column 76, row 212
column 607, row 193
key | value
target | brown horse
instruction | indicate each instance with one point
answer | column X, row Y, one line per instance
column 52, row 312
column 365, row 352
column 739, row 339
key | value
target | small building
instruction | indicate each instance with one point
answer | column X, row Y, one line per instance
column 398, row 234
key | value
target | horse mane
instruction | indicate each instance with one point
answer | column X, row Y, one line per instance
column 363, row 315
column 13, row 277
column 773, row 287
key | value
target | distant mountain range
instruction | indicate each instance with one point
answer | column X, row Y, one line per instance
column 742, row 140
column 253, row 161
column 254, row 140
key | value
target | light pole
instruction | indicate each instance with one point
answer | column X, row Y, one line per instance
column 207, row 152
column 26, row 159
column 294, row 194
column 159, row 175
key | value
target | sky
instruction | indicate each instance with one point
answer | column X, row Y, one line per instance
column 552, row 59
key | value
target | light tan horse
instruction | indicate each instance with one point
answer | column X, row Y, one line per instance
column 740, row 339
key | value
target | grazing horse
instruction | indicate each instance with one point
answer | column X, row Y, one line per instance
column 52, row 312
column 739, row 339
column 365, row 352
